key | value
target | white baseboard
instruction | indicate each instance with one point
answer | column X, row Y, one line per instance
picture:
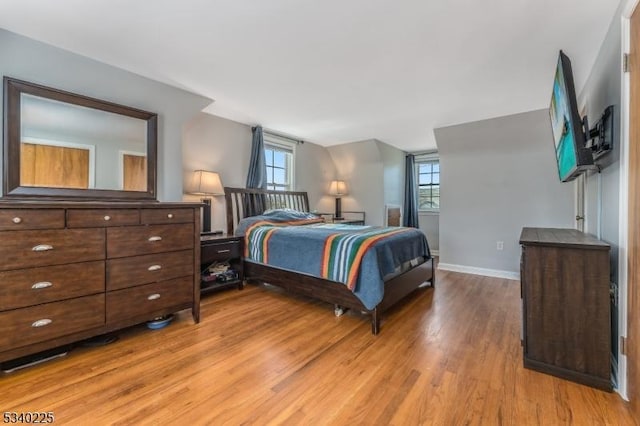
column 479, row 271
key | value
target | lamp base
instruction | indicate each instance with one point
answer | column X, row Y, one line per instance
column 338, row 214
column 206, row 215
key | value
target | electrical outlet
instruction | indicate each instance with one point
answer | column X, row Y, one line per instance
column 499, row 245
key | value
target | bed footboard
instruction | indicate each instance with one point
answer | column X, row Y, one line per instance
column 338, row 294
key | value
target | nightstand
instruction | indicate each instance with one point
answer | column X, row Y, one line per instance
column 217, row 251
column 349, row 218
column 346, row 221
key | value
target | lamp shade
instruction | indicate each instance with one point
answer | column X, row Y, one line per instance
column 338, row 188
column 205, row 183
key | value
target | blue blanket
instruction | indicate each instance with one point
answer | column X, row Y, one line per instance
column 358, row 256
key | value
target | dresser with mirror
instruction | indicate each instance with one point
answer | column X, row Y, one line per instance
column 86, row 248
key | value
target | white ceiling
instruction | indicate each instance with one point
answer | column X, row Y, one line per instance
column 335, row 71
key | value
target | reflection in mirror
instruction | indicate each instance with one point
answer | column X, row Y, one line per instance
column 71, row 146
column 61, row 145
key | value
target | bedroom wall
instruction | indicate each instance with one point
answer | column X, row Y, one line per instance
column 429, row 223
column 497, row 176
column 360, row 165
column 602, row 191
column 602, row 194
column 392, row 173
column 371, row 164
column 224, row 146
column 37, row 62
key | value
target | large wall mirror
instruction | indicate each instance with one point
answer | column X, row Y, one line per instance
column 63, row 145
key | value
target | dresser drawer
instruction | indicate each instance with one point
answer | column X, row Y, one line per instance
column 211, row 252
column 25, row 249
column 23, row 219
column 137, row 240
column 132, row 271
column 88, row 218
column 160, row 216
column 148, row 299
column 21, row 327
column 34, row 286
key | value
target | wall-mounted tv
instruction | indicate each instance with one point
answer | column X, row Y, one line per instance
column 572, row 156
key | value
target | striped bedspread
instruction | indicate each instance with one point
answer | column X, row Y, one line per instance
column 357, row 256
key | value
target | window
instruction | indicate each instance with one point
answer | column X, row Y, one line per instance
column 428, row 180
column 279, row 155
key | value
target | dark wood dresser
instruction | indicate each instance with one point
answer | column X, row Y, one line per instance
column 74, row 270
column 565, row 303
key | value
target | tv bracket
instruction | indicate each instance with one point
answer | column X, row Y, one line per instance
column 600, row 138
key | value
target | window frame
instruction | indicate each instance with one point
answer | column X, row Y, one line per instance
column 432, row 158
column 275, row 143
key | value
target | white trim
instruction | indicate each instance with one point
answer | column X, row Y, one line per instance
column 65, row 144
column 627, row 10
column 435, row 252
column 623, row 214
column 121, row 154
column 479, row 271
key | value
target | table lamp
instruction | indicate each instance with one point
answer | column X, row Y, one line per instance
column 338, row 188
column 206, row 183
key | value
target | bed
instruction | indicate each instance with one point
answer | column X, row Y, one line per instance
column 246, row 204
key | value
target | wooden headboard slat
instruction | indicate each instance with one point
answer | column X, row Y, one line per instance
column 245, row 202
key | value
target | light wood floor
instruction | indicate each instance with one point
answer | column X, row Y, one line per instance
column 449, row 357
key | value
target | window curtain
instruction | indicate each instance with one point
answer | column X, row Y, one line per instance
column 410, row 193
column 257, row 176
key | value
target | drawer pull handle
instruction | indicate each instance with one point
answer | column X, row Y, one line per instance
column 107, row 218
column 17, row 220
column 170, row 215
column 224, row 251
column 41, row 284
column 154, row 267
column 41, row 322
column 155, row 238
column 42, row 247
column 153, row 296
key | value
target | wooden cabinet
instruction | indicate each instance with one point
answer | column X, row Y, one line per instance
column 70, row 271
column 565, row 304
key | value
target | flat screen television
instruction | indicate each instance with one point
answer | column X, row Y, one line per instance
column 572, row 156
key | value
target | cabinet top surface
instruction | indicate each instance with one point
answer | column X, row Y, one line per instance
column 561, row 237
column 32, row 204
column 219, row 238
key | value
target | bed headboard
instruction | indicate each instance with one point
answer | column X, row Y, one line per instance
column 245, row 202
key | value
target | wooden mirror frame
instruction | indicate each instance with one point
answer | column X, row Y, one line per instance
column 13, row 89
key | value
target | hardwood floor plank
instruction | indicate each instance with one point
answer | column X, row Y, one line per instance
column 261, row 356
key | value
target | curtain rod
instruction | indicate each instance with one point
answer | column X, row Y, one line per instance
column 280, row 135
column 435, row 151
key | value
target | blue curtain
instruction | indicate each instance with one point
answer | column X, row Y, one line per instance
column 410, row 193
column 257, row 177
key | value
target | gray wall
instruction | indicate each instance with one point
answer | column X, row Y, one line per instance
column 392, row 173
column 224, row 146
column 360, row 165
column 603, row 88
column 498, row 176
column 41, row 63
column 430, row 224
column 374, row 172
column 602, row 192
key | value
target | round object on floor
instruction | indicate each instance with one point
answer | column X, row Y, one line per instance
column 159, row 322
